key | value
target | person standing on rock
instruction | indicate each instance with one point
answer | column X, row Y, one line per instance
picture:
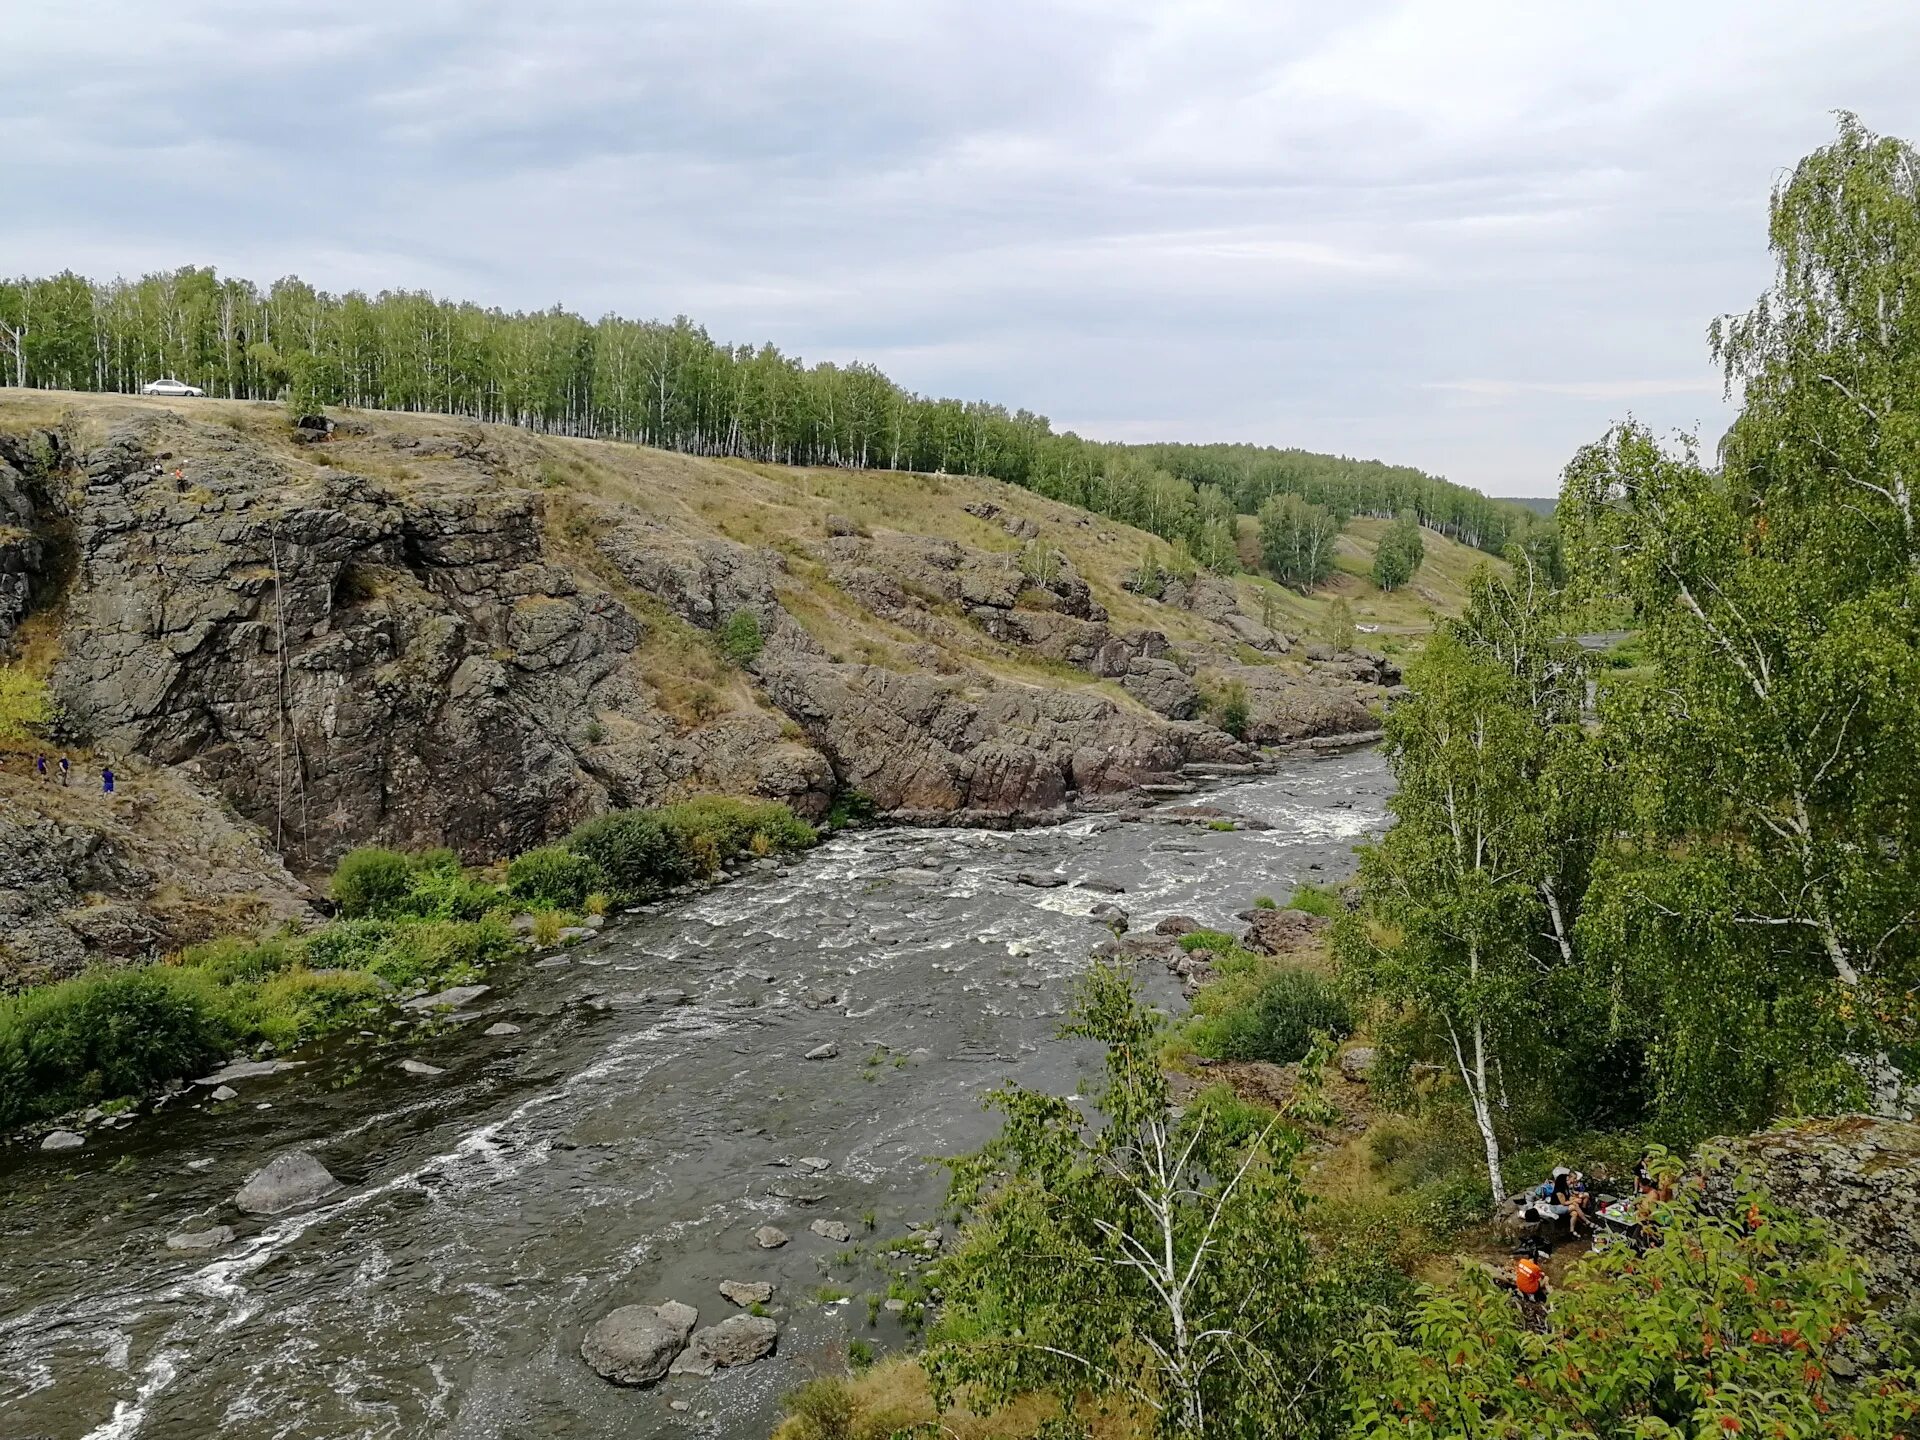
column 106, row 780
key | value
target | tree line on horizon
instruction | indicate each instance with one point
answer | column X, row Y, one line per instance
column 671, row 385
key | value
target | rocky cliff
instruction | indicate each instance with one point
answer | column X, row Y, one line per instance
column 422, row 631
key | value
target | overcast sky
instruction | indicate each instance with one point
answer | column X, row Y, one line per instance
column 1460, row 234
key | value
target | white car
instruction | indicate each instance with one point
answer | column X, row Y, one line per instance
column 179, row 389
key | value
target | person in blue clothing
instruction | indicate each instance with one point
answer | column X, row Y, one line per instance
column 106, row 779
column 40, row 766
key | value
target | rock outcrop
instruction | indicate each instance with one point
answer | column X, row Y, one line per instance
column 415, row 631
column 1858, row 1174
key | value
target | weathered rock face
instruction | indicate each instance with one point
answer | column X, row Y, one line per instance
column 21, row 553
column 1281, row 932
column 1859, row 1174
column 155, row 870
column 340, row 663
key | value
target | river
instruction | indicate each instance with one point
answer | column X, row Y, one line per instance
column 618, row 1149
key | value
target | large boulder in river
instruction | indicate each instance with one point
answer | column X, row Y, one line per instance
column 1282, row 932
column 635, row 1344
column 291, row 1179
column 736, row 1340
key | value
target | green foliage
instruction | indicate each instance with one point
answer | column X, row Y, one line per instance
column 632, row 853
column 25, row 706
column 673, row 385
column 821, row 1409
column 1235, row 713
column 1297, row 540
column 442, row 892
column 1216, row 941
column 1397, row 558
column 1322, row 900
column 1265, row 902
column 371, row 882
column 639, row 854
column 109, row 1033
column 1762, row 910
column 740, row 638
column 1153, row 1258
column 1337, row 626
column 1749, row 1323
column 1260, row 1011
column 552, row 876
column 850, row 807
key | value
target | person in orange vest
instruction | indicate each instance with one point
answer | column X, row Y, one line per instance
column 1530, row 1280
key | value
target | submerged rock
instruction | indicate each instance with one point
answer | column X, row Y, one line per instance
column 451, row 999
column 291, row 1179
column 501, row 1027
column 746, row 1292
column 420, row 1067
column 737, row 1340
column 770, row 1237
column 834, row 1230
column 813, row 1162
column 635, row 1344
column 210, row 1239
column 823, row 1052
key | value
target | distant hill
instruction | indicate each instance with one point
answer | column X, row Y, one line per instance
column 1538, row 505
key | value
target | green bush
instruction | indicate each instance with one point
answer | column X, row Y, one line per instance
column 822, row 1409
column 632, row 852
column 372, row 881
column 350, row 944
column 443, row 951
column 438, row 858
column 1273, row 1019
column 106, row 1034
column 236, row 958
column 740, row 640
column 1265, row 902
column 552, row 877
column 441, row 894
column 300, row 1004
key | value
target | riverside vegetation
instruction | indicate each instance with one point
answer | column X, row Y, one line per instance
column 405, row 923
column 1592, row 933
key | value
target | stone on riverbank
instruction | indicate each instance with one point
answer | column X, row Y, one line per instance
column 770, row 1237
column 63, row 1140
column 736, row 1340
column 447, row 999
column 746, row 1292
column 291, row 1179
column 635, row 1344
column 834, row 1230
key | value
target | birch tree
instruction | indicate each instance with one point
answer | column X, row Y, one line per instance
column 1137, row 1256
column 1778, row 799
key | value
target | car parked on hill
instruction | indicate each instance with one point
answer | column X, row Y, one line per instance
column 179, row 389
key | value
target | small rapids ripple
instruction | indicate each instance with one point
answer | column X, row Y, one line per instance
column 621, row 1148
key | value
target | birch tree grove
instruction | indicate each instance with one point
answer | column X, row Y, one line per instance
column 1142, row 1257
column 1770, row 909
column 668, row 384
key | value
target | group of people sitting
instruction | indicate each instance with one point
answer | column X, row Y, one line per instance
column 1565, row 1196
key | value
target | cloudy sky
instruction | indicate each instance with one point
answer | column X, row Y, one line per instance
column 1462, row 234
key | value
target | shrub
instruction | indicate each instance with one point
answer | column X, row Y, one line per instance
column 740, row 640
column 449, row 894
column 236, row 958
column 632, row 852
column 438, row 858
column 1264, row 902
column 444, row 950
column 850, row 807
column 547, row 926
column 110, row 1033
column 350, row 944
column 597, row 903
column 299, row 1004
column 371, row 881
column 25, row 706
column 1236, row 713
column 1273, row 1019
column 553, row 875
